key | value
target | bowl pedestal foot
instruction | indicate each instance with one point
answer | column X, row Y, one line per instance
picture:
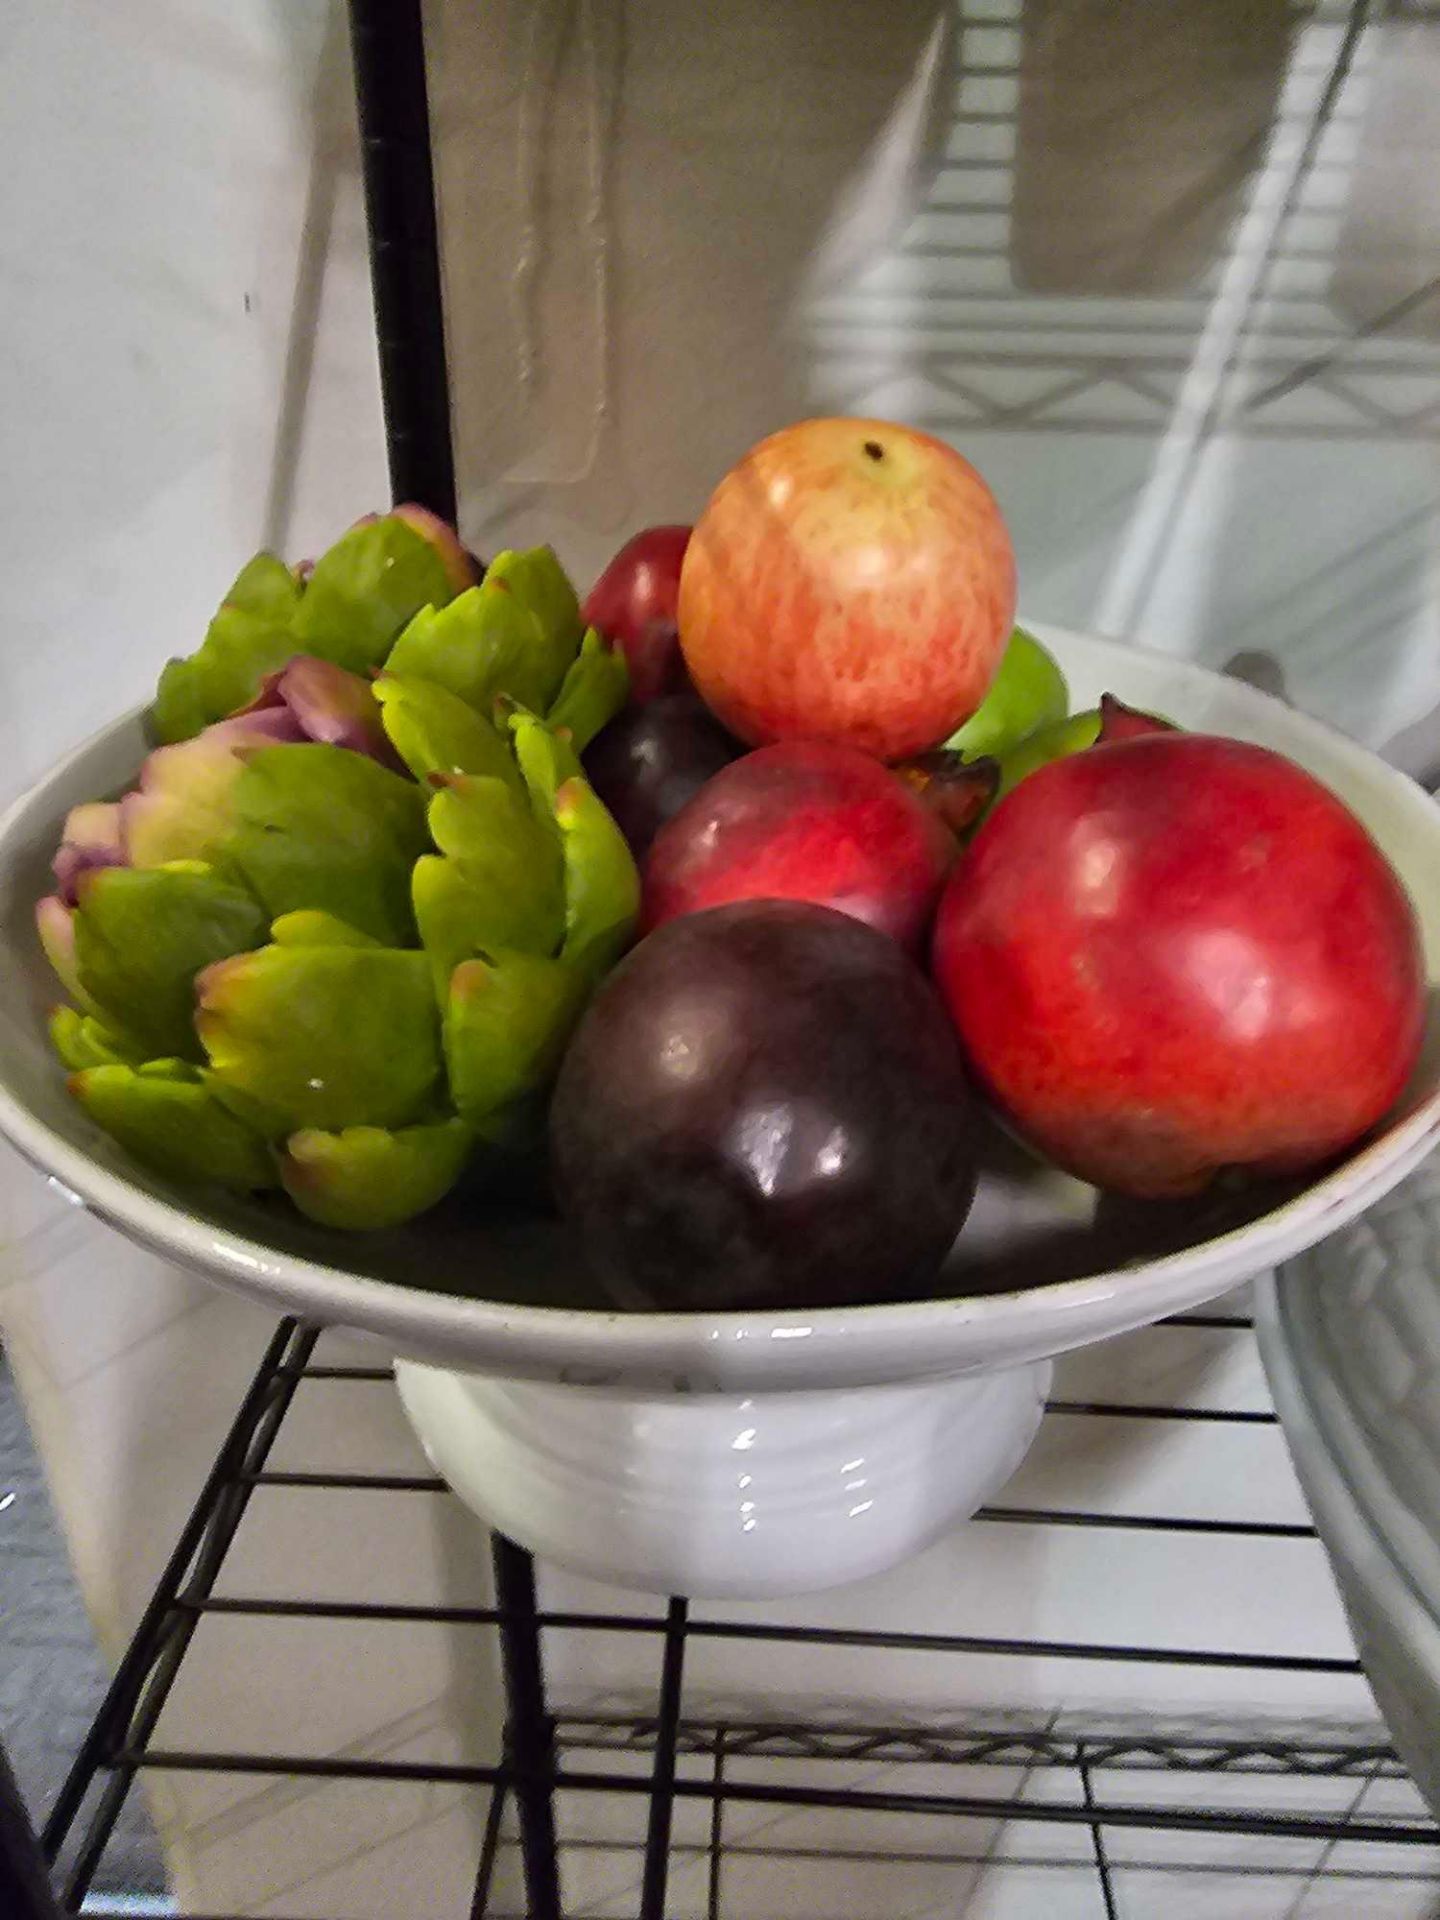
column 718, row 1496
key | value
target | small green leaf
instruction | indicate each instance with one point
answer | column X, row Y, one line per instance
column 366, row 1178
column 326, row 1037
column 436, row 733
column 539, row 582
column 593, row 691
column 249, row 637
column 83, row 1041
column 547, row 760
column 365, row 589
column 175, row 1125
column 308, row 927
column 142, row 935
column 321, row 827
column 507, row 1020
column 499, row 884
column 602, row 885
column 487, row 823
column 485, row 642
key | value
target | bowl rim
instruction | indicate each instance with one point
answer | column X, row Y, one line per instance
column 546, row 1335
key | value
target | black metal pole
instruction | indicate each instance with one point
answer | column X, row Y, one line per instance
column 24, row 1884
column 388, row 47
column 662, row 1798
column 529, row 1730
column 387, row 39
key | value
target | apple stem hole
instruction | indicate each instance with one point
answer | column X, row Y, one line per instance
column 874, row 449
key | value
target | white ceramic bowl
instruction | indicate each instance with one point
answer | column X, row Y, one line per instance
column 1350, row 1334
column 1043, row 1266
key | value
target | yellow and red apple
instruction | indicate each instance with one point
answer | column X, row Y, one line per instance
column 852, row 581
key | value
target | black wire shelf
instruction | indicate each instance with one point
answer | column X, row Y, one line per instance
column 1103, row 1780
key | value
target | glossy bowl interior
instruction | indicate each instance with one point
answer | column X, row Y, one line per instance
column 1045, row 1264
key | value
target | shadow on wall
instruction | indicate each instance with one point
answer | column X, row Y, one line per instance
column 334, row 156
column 632, row 197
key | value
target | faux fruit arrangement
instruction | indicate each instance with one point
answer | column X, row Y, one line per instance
column 361, row 924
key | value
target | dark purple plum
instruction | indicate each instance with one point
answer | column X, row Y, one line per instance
column 764, row 1107
column 651, row 760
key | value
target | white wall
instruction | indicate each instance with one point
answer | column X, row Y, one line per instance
column 160, row 160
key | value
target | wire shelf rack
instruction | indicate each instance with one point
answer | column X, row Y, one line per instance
column 707, row 1801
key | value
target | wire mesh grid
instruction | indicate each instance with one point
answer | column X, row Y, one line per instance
column 676, row 1810
column 988, row 344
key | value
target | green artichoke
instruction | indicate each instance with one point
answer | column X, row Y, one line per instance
column 337, row 937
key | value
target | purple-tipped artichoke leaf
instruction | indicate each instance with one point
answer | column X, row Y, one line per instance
column 328, row 704
column 91, row 837
column 183, row 808
column 462, row 569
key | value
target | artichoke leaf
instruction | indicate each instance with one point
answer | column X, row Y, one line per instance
column 368, row 1178
column 322, row 828
column 497, row 881
column 507, row 1019
column 55, row 924
column 592, row 692
column 309, row 927
column 538, row 581
column 321, row 1036
column 83, row 1041
column 175, row 1124
column 602, row 884
column 142, row 935
column 484, row 643
column 249, row 637
column 547, row 760
column 364, row 590
column 437, row 734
